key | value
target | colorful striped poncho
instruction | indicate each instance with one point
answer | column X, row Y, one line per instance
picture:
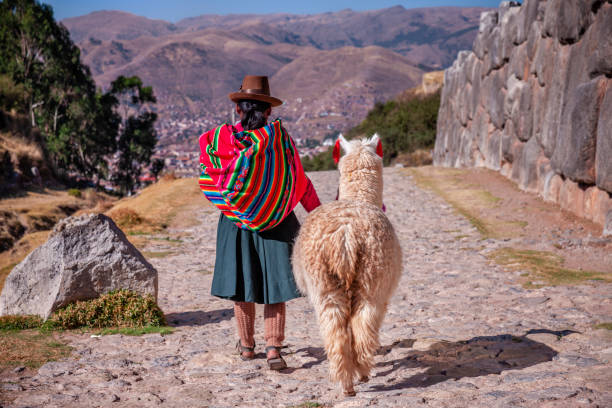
column 254, row 177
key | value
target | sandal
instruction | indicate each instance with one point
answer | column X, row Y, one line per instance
column 243, row 349
column 275, row 363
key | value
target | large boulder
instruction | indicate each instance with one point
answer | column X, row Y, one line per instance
column 85, row 257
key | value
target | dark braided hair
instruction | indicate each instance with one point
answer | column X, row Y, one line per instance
column 253, row 113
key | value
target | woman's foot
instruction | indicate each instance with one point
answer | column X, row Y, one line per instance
column 275, row 360
column 245, row 353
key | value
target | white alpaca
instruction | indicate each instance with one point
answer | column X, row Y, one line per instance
column 348, row 260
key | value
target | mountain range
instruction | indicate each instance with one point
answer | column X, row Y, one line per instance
column 329, row 68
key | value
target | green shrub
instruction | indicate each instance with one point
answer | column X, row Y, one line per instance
column 121, row 308
column 319, row 162
column 18, row 322
column 403, row 126
column 74, row 192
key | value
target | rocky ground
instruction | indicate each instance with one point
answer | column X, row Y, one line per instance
column 460, row 332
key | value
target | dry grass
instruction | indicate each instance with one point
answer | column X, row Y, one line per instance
column 544, row 267
column 30, row 348
column 169, row 203
column 605, row 326
column 467, row 199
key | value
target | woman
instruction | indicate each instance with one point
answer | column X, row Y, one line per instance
column 253, row 174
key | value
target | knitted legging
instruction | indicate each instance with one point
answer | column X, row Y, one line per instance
column 274, row 323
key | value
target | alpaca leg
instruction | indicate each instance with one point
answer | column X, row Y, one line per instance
column 365, row 323
column 334, row 321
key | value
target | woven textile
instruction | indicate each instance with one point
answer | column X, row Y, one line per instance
column 254, row 177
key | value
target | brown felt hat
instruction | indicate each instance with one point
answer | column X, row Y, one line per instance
column 255, row 87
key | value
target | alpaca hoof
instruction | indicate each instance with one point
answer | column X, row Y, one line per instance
column 364, row 379
column 349, row 393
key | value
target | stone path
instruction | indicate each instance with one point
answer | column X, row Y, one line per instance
column 459, row 333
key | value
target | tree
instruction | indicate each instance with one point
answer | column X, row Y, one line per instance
column 60, row 98
column 137, row 136
column 156, row 167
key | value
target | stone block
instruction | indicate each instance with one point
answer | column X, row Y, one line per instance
column 571, row 197
column 538, row 108
column 493, row 157
column 597, row 203
column 519, row 63
column 603, row 155
column 476, row 87
column 508, row 32
column 599, row 39
column 607, row 230
column 527, row 166
column 567, row 20
column 525, row 19
column 494, row 94
column 533, row 39
column 577, row 137
column 84, row 258
column 488, row 21
column 544, row 170
column 552, row 187
column 517, row 107
column 555, row 93
column 508, row 141
column 541, row 65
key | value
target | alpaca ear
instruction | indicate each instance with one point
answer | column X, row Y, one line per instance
column 341, row 142
column 376, row 144
column 336, row 152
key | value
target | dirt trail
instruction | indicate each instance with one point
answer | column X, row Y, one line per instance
column 460, row 332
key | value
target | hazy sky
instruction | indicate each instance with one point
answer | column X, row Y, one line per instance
column 175, row 10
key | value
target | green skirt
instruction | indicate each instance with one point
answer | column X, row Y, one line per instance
column 255, row 266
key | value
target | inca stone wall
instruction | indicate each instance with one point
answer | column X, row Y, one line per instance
column 533, row 99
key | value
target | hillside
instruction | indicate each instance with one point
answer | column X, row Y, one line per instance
column 333, row 62
column 109, row 25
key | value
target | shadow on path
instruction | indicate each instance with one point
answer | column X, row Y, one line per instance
column 317, row 353
column 198, row 317
column 471, row 358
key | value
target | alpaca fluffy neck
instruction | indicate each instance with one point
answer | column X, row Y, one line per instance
column 364, row 185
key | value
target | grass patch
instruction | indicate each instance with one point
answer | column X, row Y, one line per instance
column 30, row 348
column 160, row 254
column 137, row 331
column 444, row 183
column 309, row 404
column 121, row 308
column 205, row 271
column 606, row 326
column 168, row 239
column 543, row 266
column 74, row 192
column 28, row 341
column 15, row 322
column 137, row 233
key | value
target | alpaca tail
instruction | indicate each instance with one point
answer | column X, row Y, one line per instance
column 342, row 255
